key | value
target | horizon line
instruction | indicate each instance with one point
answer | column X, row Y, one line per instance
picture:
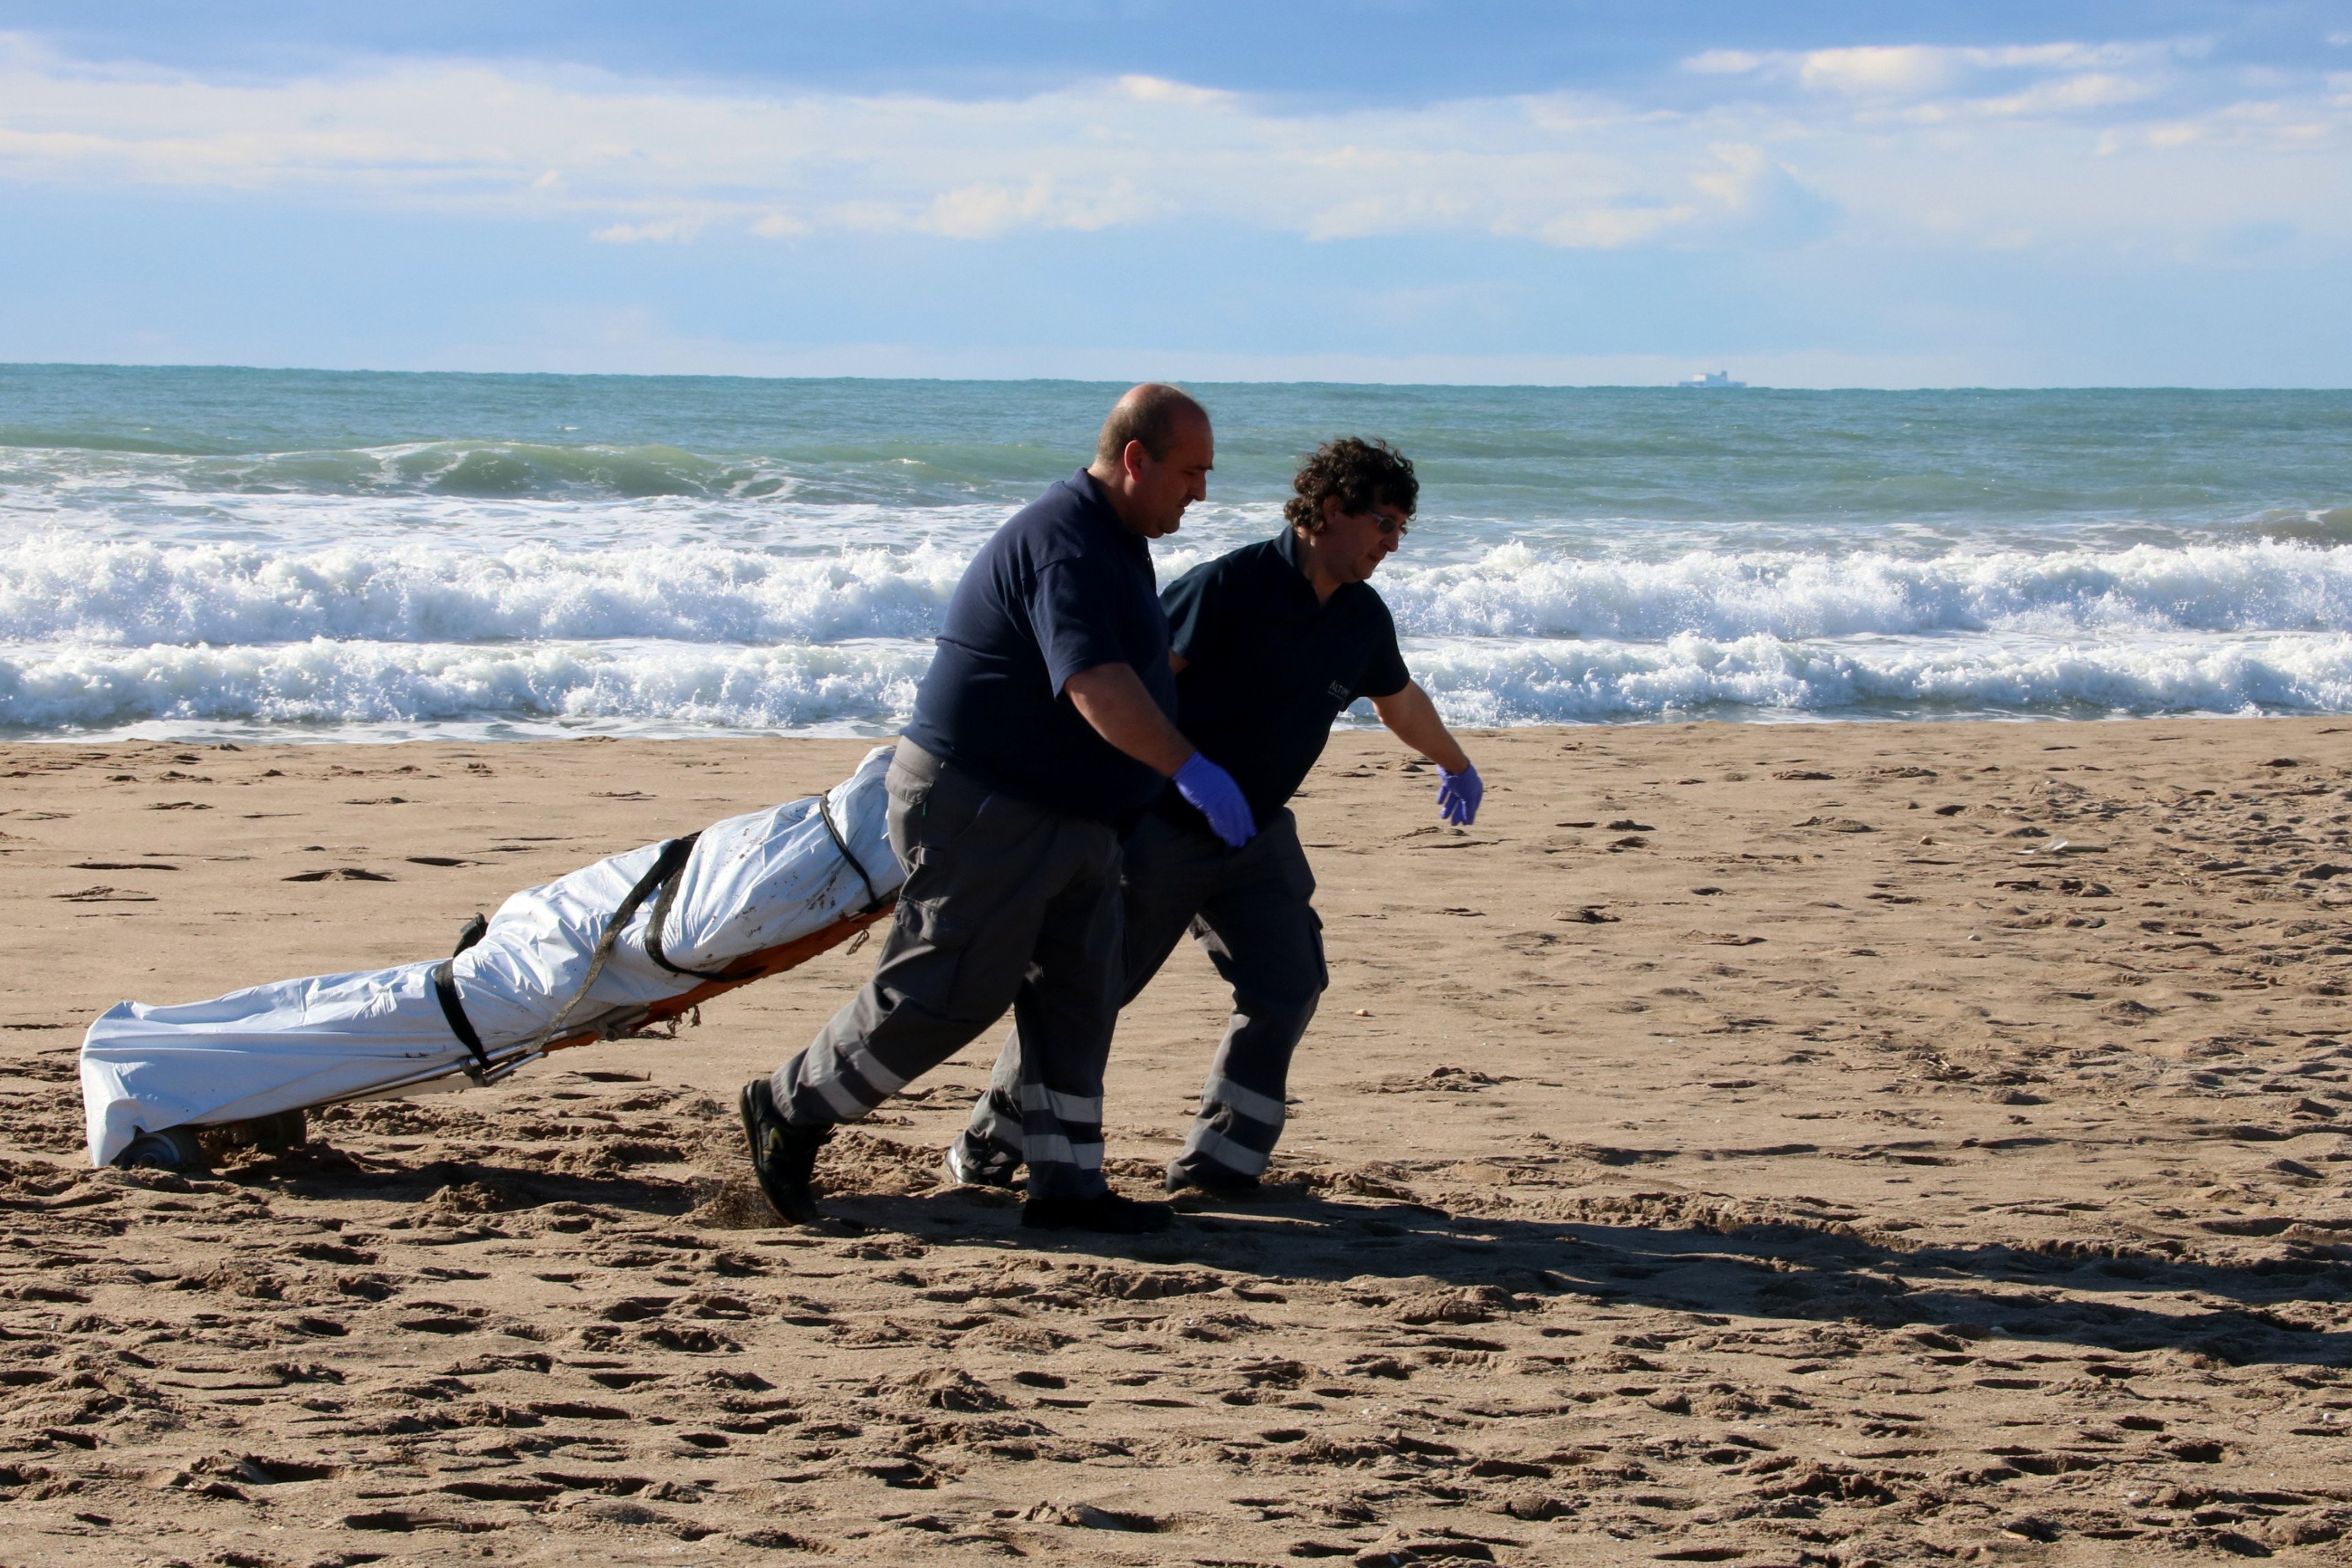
column 9, row 365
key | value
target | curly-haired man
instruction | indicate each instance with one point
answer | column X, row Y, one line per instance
column 1269, row 645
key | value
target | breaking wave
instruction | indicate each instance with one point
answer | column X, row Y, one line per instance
column 116, row 593
column 652, row 689
column 868, row 685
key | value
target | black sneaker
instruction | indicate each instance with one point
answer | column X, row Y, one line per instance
column 1109, row 1213
column 994, row 1167
column 783, row 1156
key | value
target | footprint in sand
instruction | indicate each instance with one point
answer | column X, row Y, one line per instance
column 105, row 895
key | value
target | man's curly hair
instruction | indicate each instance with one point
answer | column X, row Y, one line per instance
column 1362, row 474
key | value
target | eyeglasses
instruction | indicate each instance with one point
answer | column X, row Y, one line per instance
column 1387, row 525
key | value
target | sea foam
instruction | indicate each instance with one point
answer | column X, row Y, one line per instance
column 867, row 686
column 651, row 688
column 1486, row 683
column 57, row 587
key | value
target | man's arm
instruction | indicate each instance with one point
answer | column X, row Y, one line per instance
column 1412, row 718
column 1111, row 697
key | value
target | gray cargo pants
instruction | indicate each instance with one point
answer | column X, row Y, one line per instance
column 1250, row 909
column 1006, row 905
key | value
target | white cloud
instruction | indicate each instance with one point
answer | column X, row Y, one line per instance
column 2118, row 144
column 662, row 231
column 1879, row 71
column 1724, row 62
column 1943, row 83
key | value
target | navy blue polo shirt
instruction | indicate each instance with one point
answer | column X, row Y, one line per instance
column 1062, row 587
column 1268, row 668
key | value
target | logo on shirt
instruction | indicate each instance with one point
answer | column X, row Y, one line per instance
column 1340, row 690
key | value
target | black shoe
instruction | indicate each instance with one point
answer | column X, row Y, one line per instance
column 997, row 1167
column 1109, row 1213
column 783, row 1156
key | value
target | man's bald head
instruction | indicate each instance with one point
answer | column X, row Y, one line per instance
column 1152, row 413
column 1154, row 457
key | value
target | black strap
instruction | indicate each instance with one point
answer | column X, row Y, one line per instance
column 665, row 864
column 472, row 931
column 673, row 873
column 445, row 990
column 873, row 898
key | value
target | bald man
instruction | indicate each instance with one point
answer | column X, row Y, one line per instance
column 1041, row 732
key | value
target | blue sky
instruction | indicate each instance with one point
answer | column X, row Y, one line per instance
column 1808, row 194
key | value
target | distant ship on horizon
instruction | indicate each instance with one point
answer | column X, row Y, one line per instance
column 1712, row 378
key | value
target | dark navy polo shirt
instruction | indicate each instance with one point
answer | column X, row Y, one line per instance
column 1062, row 587
column 1268, row 668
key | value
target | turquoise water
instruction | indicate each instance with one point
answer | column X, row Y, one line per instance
column 203, row 553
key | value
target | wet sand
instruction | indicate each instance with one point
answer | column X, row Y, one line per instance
column 1748, row 1144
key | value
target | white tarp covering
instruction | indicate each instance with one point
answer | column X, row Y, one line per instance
column 752, row 882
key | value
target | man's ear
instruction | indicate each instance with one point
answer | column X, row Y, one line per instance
column 1330, row 511
column 1135, row 459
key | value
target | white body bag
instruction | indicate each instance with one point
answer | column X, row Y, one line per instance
column 554, row 962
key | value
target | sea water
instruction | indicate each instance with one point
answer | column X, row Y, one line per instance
column 223, row 553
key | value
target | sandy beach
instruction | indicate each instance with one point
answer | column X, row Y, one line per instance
column 1756, row 1144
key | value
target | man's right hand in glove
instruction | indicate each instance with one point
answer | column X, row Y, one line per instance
column 1212, row 793
column 1111, row 697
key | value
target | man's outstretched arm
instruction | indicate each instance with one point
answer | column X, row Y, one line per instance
column 1412, row 718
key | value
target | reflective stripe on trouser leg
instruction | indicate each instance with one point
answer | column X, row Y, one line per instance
column 1265, row 1108
column 1208, row 1146
column 997, row 1140
column 1083, row 1108
column 1064, row 1011
column 1242, row 1140
column 840, row 1077
column 1259, row 928
column 1237, row 1127
column 1242, row 1110
column 1056, row 1149
column 1070, row 1128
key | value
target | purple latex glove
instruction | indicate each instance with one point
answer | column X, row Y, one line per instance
column 1212, row 794
column 1458, row 796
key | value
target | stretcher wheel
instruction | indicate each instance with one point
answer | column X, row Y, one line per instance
column 173, row 1148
